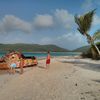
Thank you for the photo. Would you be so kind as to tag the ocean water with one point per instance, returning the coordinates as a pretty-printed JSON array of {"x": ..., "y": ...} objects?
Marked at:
[{"x": 45, "y": 54}]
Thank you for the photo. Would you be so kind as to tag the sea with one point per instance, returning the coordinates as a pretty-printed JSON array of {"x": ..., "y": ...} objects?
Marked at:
[{"x": 42, "y": 54}]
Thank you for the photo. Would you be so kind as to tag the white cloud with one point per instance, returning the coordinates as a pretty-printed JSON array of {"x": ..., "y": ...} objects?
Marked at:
[
  {"x": 46, "y": 40},
  {"x": 60, "y": 18},
  {"x": 96, "y": 20},
  {"x": 64, "y": 18},
  {"x": 87, "y": 5},
  {"x": 90, "y": 4},
  {"x": 72, "y": 40},
  {"x": 43, "y": 21},
  {"x": 69, "y": 40},
  {"x": 11, "y": 23}
]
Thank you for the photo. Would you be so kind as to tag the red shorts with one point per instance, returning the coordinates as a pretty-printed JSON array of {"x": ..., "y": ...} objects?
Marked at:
[{"x": 48, "y": 61}]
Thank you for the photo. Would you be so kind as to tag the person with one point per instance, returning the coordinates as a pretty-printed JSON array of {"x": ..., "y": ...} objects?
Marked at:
[
  {"x": 48, "y": 59},
  {"x": 13, "y": 65},
  {"x": 35, "y": 61},
  {"x": 21, "y": 65},
  {"x": 21, "y": 62}
]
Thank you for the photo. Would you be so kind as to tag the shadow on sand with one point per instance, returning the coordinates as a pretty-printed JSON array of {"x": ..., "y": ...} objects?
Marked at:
[
  {"x": 40, "y": 66},
  {"x": 84, "y": 64},
  {"x": 98, "y": 81}
]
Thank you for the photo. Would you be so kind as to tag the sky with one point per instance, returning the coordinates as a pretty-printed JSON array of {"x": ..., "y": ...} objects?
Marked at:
[{"x": 45, "y": 21}]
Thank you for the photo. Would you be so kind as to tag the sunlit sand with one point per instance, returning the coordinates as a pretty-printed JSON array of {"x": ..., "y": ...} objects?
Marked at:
[{"x": 63, "y": 80}]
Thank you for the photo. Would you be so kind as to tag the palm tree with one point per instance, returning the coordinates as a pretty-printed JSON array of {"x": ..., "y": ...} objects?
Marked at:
[
  {"x": 84, "y": 23},
  {"x": 95, "y": 37}
]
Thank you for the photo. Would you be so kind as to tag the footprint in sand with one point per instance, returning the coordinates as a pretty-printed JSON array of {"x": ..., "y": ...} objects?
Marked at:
[
  {"x": 89, "y": 84},
  {"x": 65, "y": 77},
  {"x": 82, "y": 98},
  {"x": 90, "y": 94}
]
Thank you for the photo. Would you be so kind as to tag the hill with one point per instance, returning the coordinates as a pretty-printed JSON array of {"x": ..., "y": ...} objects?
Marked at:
[
  {"x": 82, "y": 49},
  {"x": 86, "y": 48},
  {"x": 31, "y": 48}
]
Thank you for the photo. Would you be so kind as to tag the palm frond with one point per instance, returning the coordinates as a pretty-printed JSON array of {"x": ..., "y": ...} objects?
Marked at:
[
  {"x": 79, "y": 23},
  {"x": 84, "y": 22},
  {"x": 96, "y": 35}
]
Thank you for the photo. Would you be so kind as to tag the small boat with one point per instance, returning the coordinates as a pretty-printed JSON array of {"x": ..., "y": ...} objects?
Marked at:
[{"x": 19, "y": 59}]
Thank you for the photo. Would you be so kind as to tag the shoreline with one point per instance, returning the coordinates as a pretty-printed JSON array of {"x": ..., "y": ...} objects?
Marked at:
[{"x": 43, "y": 54}]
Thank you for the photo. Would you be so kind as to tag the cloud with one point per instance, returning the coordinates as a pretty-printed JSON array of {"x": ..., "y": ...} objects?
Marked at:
[
  {"x": 11, "y": 23},
  {"x": 46, "y": 40},
  {"x": 96, "y": 20},
  {"x": 90, "y": 4},
  {"x": 68, "y": 40},
  {"x": 64, "y": 18},
  {"x": 61, "y": 21},
  {"x": 72, "y": 40},
  {"x": 43, "y": 21},
  {"x": 87, "y": 5},
  {"x": 60, "y": 18}
]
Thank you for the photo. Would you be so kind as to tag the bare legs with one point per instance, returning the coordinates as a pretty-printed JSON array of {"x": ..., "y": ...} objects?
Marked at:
[
  {"x": 21, "y": 66},
  {"x": 47, "y": 66},
  {"x": 12, "y": 70},
  {"x": 21, "y": 70}
]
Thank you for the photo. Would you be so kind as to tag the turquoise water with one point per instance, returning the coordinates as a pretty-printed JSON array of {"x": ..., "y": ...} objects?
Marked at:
[{"x": 45, "y": 54}]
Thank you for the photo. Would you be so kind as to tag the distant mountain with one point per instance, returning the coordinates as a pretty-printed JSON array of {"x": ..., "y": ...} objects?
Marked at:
[
  {"x": 31, "y": 48},
  {"x": 82, "y": 49},
  {"x": 86, "y": 48}
]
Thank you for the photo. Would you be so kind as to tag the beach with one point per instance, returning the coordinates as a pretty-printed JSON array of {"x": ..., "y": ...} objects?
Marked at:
[{"x": 67, "y": 78}]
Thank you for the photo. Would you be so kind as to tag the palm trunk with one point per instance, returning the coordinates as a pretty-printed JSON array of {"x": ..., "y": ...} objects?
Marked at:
[
  {"x": 90, "y": 41},
  {"x": 97, "y": 49},
  {"x": 94, "y": 53}
]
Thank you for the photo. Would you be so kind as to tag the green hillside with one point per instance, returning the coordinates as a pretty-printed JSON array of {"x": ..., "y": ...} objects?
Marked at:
[
  {"x": 86, "y": 48},
  {"x": 82, "y": 49},
  {"x": 31, "y": 48}
]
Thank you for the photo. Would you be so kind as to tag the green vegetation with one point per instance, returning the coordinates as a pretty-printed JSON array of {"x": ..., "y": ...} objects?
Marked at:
[
  {"x": 31, "y": 48},
  {"x": 82, "y": 49},
  {"x": 84, "y": 24},
  {"x": 86, "y": 51}
]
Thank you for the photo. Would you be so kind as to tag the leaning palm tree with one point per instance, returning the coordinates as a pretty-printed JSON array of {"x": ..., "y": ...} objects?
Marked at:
[
  {"x": 94, "y": 48},
  {"x": 96, "y": 37},
  {"x": 84, "y": 23}
]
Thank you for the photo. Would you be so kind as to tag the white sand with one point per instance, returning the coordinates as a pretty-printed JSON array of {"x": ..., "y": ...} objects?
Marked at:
[{"x": 62, "y": 81}]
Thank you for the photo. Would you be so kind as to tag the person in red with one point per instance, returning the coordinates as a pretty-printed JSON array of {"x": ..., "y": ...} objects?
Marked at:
[{"x": 48, "y": 60}]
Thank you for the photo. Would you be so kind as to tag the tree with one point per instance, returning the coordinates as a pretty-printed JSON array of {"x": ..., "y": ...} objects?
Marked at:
[
  {"x": 95, "y": 37},
  {"x": 84, "y": 23}
]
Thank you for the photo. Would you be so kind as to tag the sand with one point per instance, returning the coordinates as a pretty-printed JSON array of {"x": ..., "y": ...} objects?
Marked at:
[{"x": 63, "y": 80}]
